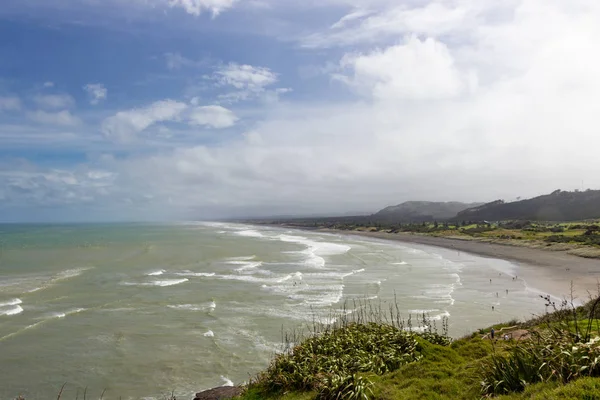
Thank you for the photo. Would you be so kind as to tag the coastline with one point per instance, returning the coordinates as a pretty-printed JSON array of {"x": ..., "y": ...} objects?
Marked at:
[{"x": 549, "y": 271}]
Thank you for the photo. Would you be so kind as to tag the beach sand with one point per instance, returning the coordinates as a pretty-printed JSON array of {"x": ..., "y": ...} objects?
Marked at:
[{"x": 549, "y": 271}]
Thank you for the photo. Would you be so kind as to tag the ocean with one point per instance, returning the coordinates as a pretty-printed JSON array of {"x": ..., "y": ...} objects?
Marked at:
[{"x": 143, "y": 311}]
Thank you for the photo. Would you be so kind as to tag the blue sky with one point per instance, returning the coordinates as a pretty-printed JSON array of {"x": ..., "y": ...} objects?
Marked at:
[{"x": 185, "y": 109}]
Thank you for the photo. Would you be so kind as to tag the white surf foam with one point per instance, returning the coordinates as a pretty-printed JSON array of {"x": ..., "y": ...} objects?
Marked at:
[
  {"x": 250, "y": 233},
  {"x": 242, "y": 258},
  {"x": 315, "y": 250},
  {"x": 66, "y": 313},
  {"x": 210, "y": 306},
  {"x": 227, "y": 381},
  {"x": 195, "y": 274},
  {"x": 166, "y": 282},
  {"x": 12, "y": 311},
  {"x": 169, "y": 282},
  {"x": 423, "y": 311},
  {"x": 13, "y": 302},
  {"x": 210, "y": 333},
  {"x": 400, "y": 263},
  {"x": 156, "y": 273},
  {"x": 245, "y": 265}
]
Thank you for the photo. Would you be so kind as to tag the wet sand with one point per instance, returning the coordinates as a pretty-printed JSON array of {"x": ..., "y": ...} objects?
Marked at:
[{"x": 550, "y": 271}]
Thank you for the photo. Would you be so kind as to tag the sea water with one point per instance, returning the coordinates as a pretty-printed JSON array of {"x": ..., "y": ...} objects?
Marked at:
[{"x": 146, "y": 310}]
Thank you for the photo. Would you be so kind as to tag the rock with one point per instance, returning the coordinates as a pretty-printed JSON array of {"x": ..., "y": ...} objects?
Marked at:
[{"x": 220, "y": 393}]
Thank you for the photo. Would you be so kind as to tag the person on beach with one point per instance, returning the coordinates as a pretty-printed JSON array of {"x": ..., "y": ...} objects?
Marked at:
[
  {"x": 492, "y": 331},
  {"x": 492, "y": 308}
]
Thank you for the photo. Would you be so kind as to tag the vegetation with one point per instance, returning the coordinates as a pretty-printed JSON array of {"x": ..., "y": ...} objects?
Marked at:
[
  {"x": 417, "y": 211},
  {"x": 556, "y": 356},
  {"x": 556, "y": 206},
  {"x": 567, "y": 221}
]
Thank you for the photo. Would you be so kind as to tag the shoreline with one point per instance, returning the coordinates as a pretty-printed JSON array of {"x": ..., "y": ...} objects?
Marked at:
[{"x": 550, "y": 271}]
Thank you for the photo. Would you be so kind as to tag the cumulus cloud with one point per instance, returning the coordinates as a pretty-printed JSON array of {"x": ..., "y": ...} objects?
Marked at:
[
  {"x": 54, "y": 101},
  {"x": 96, "y": 92},
  {"x": 457, "y": 104},
  {"x": 212, "y": 116},
  {"x": 10, "y": 103},
  {"x": 124, "y": 125},
  {"x": 196, "y": 7},
  {"x": 431, "y": 18},
  {"x": 64, "y": 118},
  {"x": 416, "y": 69},
  {"x": 249, "y": 81}
]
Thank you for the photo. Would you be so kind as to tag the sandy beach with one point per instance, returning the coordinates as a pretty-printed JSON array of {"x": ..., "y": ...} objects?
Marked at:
[{"x": 550, "y": 271}]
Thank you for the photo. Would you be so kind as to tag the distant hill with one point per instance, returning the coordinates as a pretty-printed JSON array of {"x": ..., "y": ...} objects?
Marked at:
[
  {"x": 557, "y": 206},
  {"x": 417, "y": 211}
]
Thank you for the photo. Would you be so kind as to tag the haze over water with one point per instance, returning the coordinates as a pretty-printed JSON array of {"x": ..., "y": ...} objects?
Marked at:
[{"x": 142, "y": 310}]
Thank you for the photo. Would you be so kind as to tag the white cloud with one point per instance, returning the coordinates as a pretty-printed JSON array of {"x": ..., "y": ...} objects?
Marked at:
[
  {"x": 212, "y": 116},
  {"x": 249, "y": 81},
  {"x": 48, "y": 84},
  {"x": 354, "y": 15},
  {"x": 196, "y": 7},
  {"x": 415, "y": 69},
  {"x": 124, "y": 125},
  {"x": 96, "y": 92},
  {"x": 11, "y": 103},
  {"x": 64, "y": 118},
  {"x": 176, "y": 61},
  {"x": 462, "y": 105},
  {"x": 54, "y": 101},
  {"x": 393, "y": 20}
]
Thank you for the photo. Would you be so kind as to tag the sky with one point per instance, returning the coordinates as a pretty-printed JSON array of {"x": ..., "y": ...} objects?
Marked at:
[{"x": 127, "y": 110}]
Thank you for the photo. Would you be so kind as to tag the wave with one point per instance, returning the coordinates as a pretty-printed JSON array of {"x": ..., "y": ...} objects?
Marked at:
[
  {"x": 400, "y": 263},
  {"x": 169, "y": 282},
  {"x": 242, "y": 258},
  {"x": 210, "y": 306},
  {"x": 156, "y": 273},
  {"x": 195, "y": 274},
  {"x": 209, "y": 333},
  {"x": 12, "y": 311},
  {"x": 423, "y": 311},
  {"x": 227, "y": 381},
  {"x": 66, "y": 313},
  {"x": 245, "y": 265},
  {"x": 325, "y": 296},
  {"x": 315, "y": 249},
  {"x": 13, "y": 302},
  {"x": 166, "y": 282},
  {"x": 250, "y": 233}
]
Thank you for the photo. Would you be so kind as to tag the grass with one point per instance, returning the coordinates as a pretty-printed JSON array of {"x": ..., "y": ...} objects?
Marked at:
[{"x": 560, "y": 361}]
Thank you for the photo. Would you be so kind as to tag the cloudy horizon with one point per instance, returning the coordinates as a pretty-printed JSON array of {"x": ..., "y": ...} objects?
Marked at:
[{"x": 205, "y": 109}]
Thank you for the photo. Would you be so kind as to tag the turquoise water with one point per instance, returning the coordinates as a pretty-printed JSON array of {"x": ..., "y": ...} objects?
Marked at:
[{"x": 143, "y": 310}]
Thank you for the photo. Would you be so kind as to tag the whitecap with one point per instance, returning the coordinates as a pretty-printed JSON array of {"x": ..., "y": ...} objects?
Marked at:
[
  {"x": 423, "y": 311},
  {"x": 13, "y": 302},
  {"x": 12, "y": 311},
  {"x": 210, "y": 333},
  {"x": 169, "y": 282},
  {"x": 250, "y": 233},
  {"x": 156, "y": 273},
  {"x": 227, "y": 381},
  {"x": 242, "y": 258},
  {"x": 66, "y": 313},
  {"x": 246, "y": 265},
  {"x": 400, "y": 263},
  {"x": 195, "y": 274}
]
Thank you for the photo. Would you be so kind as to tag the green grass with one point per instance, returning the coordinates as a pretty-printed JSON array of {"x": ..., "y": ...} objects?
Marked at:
[{"x": 555, "y": 364}]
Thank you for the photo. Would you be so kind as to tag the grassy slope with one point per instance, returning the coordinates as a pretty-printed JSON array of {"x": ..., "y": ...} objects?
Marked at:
[{"x": 452, "y": 372}]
